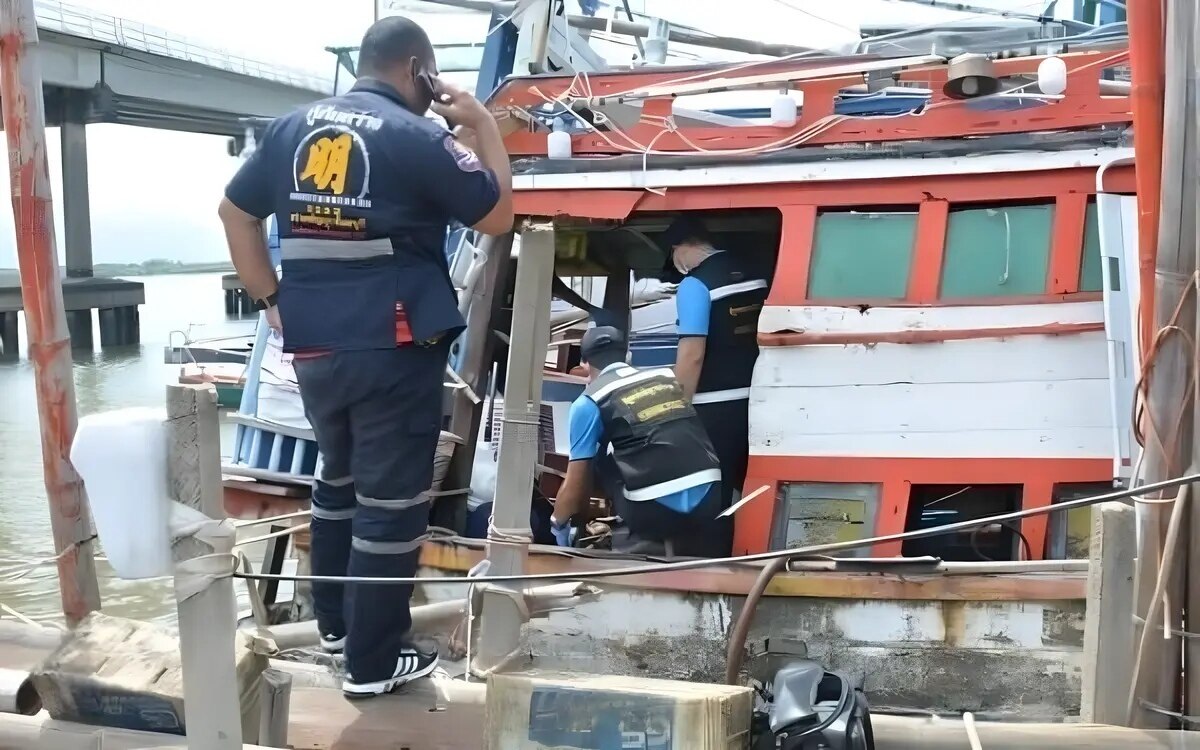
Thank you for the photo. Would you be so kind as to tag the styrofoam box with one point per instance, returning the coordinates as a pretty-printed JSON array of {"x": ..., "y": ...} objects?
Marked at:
[{"x": 543, "y": 710}]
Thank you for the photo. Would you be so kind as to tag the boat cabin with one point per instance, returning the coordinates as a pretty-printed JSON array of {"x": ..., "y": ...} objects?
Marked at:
[{"x": 948, "y": 331}]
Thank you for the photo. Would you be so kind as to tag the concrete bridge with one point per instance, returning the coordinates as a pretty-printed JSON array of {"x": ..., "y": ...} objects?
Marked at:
[{"x": 98, "y": 68}]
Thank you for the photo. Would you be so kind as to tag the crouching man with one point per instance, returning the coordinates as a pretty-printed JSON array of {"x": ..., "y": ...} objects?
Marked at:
[{"x": 661, "y": 461}]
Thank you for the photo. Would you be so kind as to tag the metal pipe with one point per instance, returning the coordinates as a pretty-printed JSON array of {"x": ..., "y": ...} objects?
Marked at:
[
  {"x": 17, "y": 694},
  {"x": 45, "y": 316},
  {"x": 641, "y": 30}
]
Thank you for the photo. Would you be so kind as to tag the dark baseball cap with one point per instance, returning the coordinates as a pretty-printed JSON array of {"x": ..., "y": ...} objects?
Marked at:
[
  {"x": 602, "y": 339},
  {"x": 681, "y": 230}
]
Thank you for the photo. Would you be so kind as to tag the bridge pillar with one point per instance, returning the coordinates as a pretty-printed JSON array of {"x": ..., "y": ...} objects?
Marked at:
[{"x": 77, "y": 219}]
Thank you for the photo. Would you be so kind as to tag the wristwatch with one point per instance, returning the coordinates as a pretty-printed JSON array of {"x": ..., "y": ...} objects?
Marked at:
[{"x": 270, "y": 300}]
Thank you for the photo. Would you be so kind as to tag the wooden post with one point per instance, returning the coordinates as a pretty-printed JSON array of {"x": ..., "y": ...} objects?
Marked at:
[
  {"x": 1168, "y": 450},
  {"x": 45, "y": 316},
  {"x": 519, "y": 438},
  {"x": 1108, "y": 626},
  {"x": 276, "y": 708},
  {"x": 207, "y": 608},
  {"x": 450, "y": 511}
]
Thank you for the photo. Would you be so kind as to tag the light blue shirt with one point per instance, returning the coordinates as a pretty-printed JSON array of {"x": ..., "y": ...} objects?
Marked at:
[
  {"x": 587, "y": 432},
  {"x": 692, "y": 305}
]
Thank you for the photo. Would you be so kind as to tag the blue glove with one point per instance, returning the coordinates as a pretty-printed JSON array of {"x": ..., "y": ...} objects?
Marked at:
[{"x": 564, "y": 533}]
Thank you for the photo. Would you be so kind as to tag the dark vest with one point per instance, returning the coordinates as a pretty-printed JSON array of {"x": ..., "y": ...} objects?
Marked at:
[
  {"x": 657, "y": 439},
  {"x": 355, "y": 234},
  {"x": 731, "y": 349}
]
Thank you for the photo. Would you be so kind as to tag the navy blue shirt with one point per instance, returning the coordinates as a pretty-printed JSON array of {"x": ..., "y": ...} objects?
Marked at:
[{"x": 364, "y": 190}]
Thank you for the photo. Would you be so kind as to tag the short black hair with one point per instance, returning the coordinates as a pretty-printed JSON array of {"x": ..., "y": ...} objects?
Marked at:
[
  {"x": 390, "y": 42},
  {"x": 602, "y": 346}
]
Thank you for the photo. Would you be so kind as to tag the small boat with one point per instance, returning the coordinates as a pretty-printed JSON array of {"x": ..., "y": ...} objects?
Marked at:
[{"x": 228, "y": 378}]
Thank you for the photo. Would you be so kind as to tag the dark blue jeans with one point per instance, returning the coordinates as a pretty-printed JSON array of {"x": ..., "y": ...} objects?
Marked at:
[{"x": 377, "y": 416}]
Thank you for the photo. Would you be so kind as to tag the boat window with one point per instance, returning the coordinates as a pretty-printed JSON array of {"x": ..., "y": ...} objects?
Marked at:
[
  {"x": 997, "y": 252},
  {"x": 817, "y": 513},
  {"x": 1068, "y": 535},
  {"x": 862, "y": 255},
  {"x": 1091, "y": 278},
  {"x": 932, "y": 505}
]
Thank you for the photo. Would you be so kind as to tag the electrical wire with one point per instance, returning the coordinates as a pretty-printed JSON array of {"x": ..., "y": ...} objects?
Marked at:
[{"x": 757, "y": 557}]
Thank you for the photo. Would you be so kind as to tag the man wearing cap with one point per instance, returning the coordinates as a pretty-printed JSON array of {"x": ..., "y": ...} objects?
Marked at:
[
  {"x": 667, "y": 477},
  {"x": 717, "y": 308}
]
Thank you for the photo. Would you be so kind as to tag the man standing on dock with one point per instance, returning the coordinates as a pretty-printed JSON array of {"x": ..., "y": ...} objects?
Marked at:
[
  {"x": 364, "y": 186},
  {"x": 717, "y": 308}
]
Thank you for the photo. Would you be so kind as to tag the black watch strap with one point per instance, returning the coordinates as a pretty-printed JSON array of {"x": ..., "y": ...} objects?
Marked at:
[{"x": 270, "y": 300}]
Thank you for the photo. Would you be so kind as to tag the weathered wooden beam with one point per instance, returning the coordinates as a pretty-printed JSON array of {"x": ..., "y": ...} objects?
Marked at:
[
  {"x": 276, "y": 699},
  {"x": 519, "y": 437},
  {"x": 207, "y": 607},
  {"x": 1108, "y": 624}
]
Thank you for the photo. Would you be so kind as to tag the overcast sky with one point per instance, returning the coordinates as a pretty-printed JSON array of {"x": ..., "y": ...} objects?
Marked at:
[{"x": 178, "y": 178}]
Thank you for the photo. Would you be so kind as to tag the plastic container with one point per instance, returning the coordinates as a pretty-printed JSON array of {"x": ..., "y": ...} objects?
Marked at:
[
  {"x": 783, "y": 111},
  {"x": 122, "y": 458},
  {"x": 558, "y": 143}
]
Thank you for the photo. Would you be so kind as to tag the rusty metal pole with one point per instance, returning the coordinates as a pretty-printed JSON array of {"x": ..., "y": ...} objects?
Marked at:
[{"x": 45, "y": 317}]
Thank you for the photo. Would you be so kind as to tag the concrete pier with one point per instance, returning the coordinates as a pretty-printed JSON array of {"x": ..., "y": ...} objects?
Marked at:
[
  {"x": 237, "y": 301},
  {"x": 116, "y": 300}
]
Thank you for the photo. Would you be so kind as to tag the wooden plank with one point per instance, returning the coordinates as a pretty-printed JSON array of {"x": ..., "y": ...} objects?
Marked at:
[
  {"x": 1108, "y": 627},
  {"x": 1022, "y": 358},
  {"x": 519, "y": 444},
  {"x": 1076, "y": 443},
  {"x": 736, "y": 581},
  {"x": 815, "y": 319},
  {"x": 207, "y": 609},
  {"x": 275, "y": 704}
]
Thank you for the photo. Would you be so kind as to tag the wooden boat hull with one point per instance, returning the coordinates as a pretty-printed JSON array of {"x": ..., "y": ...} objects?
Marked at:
[{"x": 1003, "y": 645}]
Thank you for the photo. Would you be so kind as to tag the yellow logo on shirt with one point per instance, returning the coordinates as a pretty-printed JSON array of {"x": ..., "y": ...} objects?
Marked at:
[{"x": 328, "y": 162}]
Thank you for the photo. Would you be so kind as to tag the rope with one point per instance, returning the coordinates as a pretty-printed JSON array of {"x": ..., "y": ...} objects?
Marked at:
[{"x": 758, "y": 557}]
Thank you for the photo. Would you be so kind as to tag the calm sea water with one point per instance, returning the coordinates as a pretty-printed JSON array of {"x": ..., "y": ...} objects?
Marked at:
[{"x": 104, "y": 380}]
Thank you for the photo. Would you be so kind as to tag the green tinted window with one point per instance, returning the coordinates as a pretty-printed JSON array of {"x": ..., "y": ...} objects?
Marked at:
[
  {"x": 1090, "y": 277},
  {"x": 862, "y": 255},
  {"x": 995, "y": 252}
]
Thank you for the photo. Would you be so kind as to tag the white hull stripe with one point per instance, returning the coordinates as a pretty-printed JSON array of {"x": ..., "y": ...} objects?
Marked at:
[
  {"x": 403, "y": 503},
  {"x": 387, "y": 548},
  {"x": 332, "y": 514},
  {"x": 309, "y": 249},
  {"x": 822, "y": 171},
  {"x": 662, "y": 489},
  {"x": 729, "y": 290},
  {"x": 714, "y": 397},
  {"x": 339, "y": 482},
  {"x": 637, "y": 377}
]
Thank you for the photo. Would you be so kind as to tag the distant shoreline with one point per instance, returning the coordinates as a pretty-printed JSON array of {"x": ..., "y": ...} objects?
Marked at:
[{"x": 158, "y": 268}]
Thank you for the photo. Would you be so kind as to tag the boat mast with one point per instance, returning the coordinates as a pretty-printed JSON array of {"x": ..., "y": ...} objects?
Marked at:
[{"x": 45, "y": 317}]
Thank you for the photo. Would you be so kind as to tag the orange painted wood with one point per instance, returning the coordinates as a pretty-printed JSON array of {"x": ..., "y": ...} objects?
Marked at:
[
  {"x": 896, "y": 476},
  {"x": 1037, "y": 494},
  {"x": 925, "y": 277},
  {"x": 790, "y": 285},
  {"x": 1066, "y": 246}
]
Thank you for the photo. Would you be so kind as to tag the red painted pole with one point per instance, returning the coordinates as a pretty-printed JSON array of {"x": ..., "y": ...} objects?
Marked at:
[
  {"x": 1148, "y": 73},
  {"x": 45, "y": 317}
]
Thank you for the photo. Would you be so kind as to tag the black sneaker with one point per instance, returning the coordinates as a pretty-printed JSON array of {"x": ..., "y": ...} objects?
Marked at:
[
  {"x": 333, "y": 644},
  {"x": 413, "y": 664}
]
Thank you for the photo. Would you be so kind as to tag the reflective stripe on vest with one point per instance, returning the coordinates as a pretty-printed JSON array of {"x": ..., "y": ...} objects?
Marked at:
[
  {"x": 304, "y": 248},
  {"x": 729, "y": 290},
  {"x": 713, "y": 397},
  {"x": 670, "y": 487}
]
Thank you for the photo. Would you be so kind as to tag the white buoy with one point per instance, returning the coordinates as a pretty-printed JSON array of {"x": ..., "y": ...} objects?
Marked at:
[
  {"x": 783, "y": 111},
  {"x": 558, "y": 143},
  {"x": 1052, "y": 76}
]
